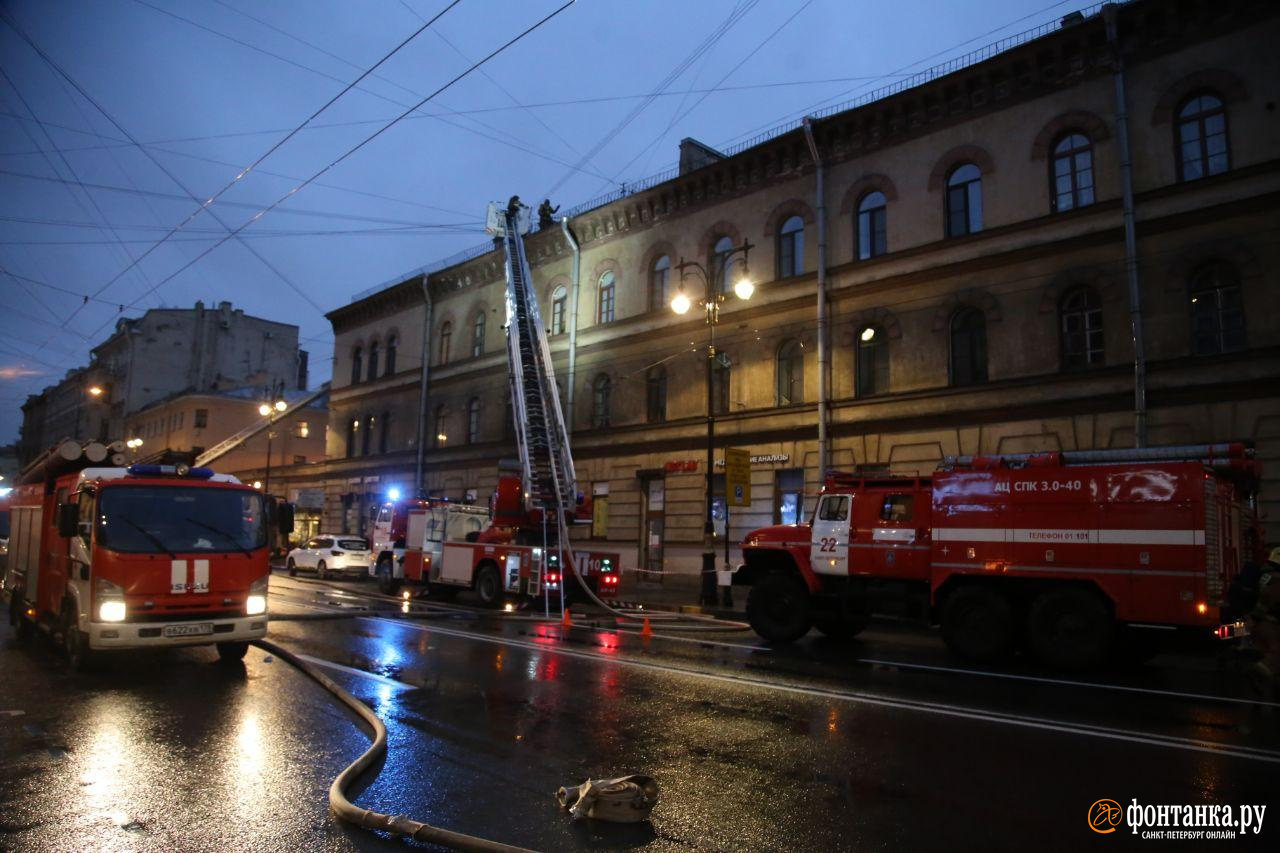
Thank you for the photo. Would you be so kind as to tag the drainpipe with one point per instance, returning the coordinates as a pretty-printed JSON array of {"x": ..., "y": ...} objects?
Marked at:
[
  {"x": 422, "y": 388},
  {"x": 573, "y": 322},
  {"x": 824, "y": 368},
  {"x": 1130, "y": 237}
]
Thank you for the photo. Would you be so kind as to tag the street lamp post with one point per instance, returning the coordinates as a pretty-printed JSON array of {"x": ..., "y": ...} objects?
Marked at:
[
  {"x": 680, "y": 303},
  {"x": 270, "y": 411}
]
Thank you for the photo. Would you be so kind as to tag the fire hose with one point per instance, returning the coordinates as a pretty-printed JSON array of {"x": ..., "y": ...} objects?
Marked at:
[{"x": 396, "y": 825}]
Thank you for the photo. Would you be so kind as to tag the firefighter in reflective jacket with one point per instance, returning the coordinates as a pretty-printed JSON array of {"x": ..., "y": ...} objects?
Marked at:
[{"x": 1264, "y": 624}]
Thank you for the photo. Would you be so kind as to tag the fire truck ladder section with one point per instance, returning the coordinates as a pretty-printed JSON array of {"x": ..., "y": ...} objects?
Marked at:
[
  {"x": 222, "y": 448},
  {"x": 547, "y": 466}
]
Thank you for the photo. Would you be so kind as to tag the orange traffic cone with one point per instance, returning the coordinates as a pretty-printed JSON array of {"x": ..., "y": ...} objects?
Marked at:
[
  {"x": 565, "y": 621},
  {"x": 647, "y": 630}
]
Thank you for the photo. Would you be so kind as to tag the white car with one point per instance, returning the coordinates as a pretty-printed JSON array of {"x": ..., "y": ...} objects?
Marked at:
[{"x": 330, "y": 554}]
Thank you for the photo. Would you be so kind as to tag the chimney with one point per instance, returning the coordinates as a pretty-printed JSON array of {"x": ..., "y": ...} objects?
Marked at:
[{"x": 694, "y": 155}]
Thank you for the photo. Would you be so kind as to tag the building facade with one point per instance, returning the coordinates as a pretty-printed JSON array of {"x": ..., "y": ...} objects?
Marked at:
[
  {"x": 978, "y": 292},
  {"x": 164, "y": 352}
]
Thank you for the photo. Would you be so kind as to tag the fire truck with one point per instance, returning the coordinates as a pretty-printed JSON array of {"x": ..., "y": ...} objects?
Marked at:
[
  {"x": 424, "y": 522},
  {"x": 143, "y": 556},
  {"x": 1053, "y": 552}
]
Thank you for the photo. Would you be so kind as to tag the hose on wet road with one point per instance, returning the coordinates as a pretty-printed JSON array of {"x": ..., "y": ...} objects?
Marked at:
[{"x": 396, "y": 825}]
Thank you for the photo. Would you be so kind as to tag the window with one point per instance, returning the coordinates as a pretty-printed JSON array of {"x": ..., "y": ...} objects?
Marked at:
[
  {"x": 722, "y": 264},
  {"x": 473, "y": 421},
  {"x": 898, "y": 508},
  {"x": 1072, "y": 179},
  {"x": 968, "y": 347},
  {"x": 834, "y": 508},
  {"x": 446, "y": 337},
  {"x": 788, "y": 496},
  {"x": 606, "y": 289},
  {"x": 357, "y": 363},
  {"x": 353, "y": 427},
  {"x": 1217, "y": 311},
  {"x": 441, "y": 434},
  {"x": 873, "y": 361},
  {"x": 656, "y": 394},
  {"x": 559, "y": 299},
  {"x": 1202, "y": 137},
  {"x": 659, "y": 281},
  {"x": 720, "y": 375},
  {"x": 384, "y": 423},
  {"x": 791, "y": 247},
  {"x": 509, "y": 422},
  {"x": 964, "y": 200},
  {"x": 477, "y": 335},
  {"x": 790, "y": 374},
  {"x": 372, "y": 373},
  {"x": 302, "y": 429},
  {"x": 602, "y": 392},
  {"x": 202, "y": 418},
  {"x": 367, "y": 436},
  {"x": 871, "y": 238},
  {"x": 393, "y": 343},
  {"x": 1081, "y": 329},
  {"x": 299, "y": 460}
]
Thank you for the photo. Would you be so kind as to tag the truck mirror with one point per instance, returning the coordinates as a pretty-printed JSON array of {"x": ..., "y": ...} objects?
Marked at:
[
  {"x": 284, "y": 517},
  {"x": 68, "y": 520}
]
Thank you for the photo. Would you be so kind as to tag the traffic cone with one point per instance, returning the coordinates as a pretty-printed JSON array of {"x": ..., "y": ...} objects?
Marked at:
[
  {"x": 647, "y": 630},
  {"x": 565, "y": 621}
]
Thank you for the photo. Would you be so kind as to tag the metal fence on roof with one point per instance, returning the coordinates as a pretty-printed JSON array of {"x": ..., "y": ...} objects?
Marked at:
[{"x": 628, "y": 188}]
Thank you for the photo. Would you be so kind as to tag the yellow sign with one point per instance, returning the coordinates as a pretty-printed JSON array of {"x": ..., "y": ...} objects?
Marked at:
[{"x": 737, "y": 476}]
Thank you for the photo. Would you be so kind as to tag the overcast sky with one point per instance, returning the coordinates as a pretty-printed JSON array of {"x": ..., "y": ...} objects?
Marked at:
[{"x": 206, "y": 87}]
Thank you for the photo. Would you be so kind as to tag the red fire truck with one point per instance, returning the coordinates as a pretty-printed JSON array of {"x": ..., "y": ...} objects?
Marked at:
[
  {"x": 1053, "y": 551},
  {"x": 138, "y": 557}
]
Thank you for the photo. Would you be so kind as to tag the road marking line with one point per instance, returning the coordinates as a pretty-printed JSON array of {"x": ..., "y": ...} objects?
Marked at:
[
  {"x": 351, "y": 670},
  {"x": 937, "y": 708},
  {"x": 1097, "y": 686}
]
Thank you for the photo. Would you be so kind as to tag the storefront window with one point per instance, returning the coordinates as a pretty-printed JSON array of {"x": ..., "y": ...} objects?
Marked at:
[{"x": 788, "y": 497}]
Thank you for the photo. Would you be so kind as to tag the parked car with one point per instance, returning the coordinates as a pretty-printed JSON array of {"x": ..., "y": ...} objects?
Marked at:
[{"x": 330, "y": 554}]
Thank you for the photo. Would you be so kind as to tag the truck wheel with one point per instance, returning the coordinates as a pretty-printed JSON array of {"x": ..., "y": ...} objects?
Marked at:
[
  {"x": 322, "y": 571},
  {"x": 232, "y": 652},
  {"x": 978, "y": 624},
  {"x": 1070, "y": 628},
  {"x": 778, "y": 608},
  {"x": 839, "y": 626},
  {"x": 388, "y": 584},
  {"x": 293, "y": 568},
  {"x": 75, "y": 642},
  {"x": 488, "y": 585},
  {"x": 22, "y": 626}
]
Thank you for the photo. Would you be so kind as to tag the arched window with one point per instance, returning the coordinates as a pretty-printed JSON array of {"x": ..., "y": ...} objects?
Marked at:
[
  {"x": 1081, "y": 324},
  {"x": 393, "y": 343},
  {"x": 873, "y": 361},
  {"x": 659, "y": 280},
  {"x": 791, "y": 247},
  {"x": 656, "y": 394},
  {"x": 509, "y": 421},
  {"x": 1202, "y": 137},
  {"x": 473, "y": 421},
  {"x": 721, "y": 373},
  {"x": 559, "y": 301},
  {"x": 446, "y": 337},
  {"x": 373, "y": 361},
  {"x": 367, "y": 435},
  {"x": 968, "y": 347},
  {"x": 606, "y": 289},
  {"x": 790, "y": 373},
  {"x": 1071, "y": 183},
  {"x": 601, "y": 400},
  {"x": 353, "y": 427},
  {"x": 722, "y": 264},
  {"x": 384, "y": 431},
  {"x": 964, "y": 200},
  {"x": 441, "y": 424},
  {"x": 1217, "y": 310},
  {"x": 477, "y": 335},
  {"x": 872, "y": 240},
  {"x": 357, "y": 359}
]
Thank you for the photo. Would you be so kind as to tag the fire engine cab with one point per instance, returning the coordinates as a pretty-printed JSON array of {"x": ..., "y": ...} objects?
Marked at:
[{"x": 1055, "y": 551}]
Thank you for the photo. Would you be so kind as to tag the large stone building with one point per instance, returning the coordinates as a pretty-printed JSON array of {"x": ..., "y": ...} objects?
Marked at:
[
  {"x": 979, "y": 297},
  {"x": 164, "y": 352}
]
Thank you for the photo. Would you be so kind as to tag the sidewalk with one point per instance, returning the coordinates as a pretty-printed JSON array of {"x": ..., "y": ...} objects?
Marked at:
[{"x": 680, "y": 594}]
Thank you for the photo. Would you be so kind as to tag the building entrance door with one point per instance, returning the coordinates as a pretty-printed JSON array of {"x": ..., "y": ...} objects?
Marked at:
[{"x": 652, "y": 520}]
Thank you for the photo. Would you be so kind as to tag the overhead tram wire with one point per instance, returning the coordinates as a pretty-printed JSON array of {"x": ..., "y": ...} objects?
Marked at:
[{"x": 357, "y": 147}]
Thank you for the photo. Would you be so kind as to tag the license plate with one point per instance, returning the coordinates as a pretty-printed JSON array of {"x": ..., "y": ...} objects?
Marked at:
[{"x": 188, "y": 630}]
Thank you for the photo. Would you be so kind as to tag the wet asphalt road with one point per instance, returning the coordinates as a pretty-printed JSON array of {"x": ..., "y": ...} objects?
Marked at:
[{"x": 881, "y": 743}]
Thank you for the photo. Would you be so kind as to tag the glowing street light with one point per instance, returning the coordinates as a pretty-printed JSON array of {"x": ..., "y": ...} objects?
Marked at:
[{"x": 95, "y": 390}]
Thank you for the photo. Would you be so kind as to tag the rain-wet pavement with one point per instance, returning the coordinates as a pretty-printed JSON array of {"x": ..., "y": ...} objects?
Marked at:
[{"x": 884, "y": 742}]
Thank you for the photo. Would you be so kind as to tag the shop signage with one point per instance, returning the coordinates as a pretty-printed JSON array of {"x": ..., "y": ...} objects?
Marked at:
[
  {"x": 765, "y": 459},
  {"x": 737, "y": 476},
  {"x": 677, "y": 466}
]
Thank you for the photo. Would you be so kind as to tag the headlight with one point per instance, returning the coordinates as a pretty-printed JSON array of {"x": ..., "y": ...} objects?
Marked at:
[
  {"x": 111, "y": 610},
  {"x": 255, "y": 605}
]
